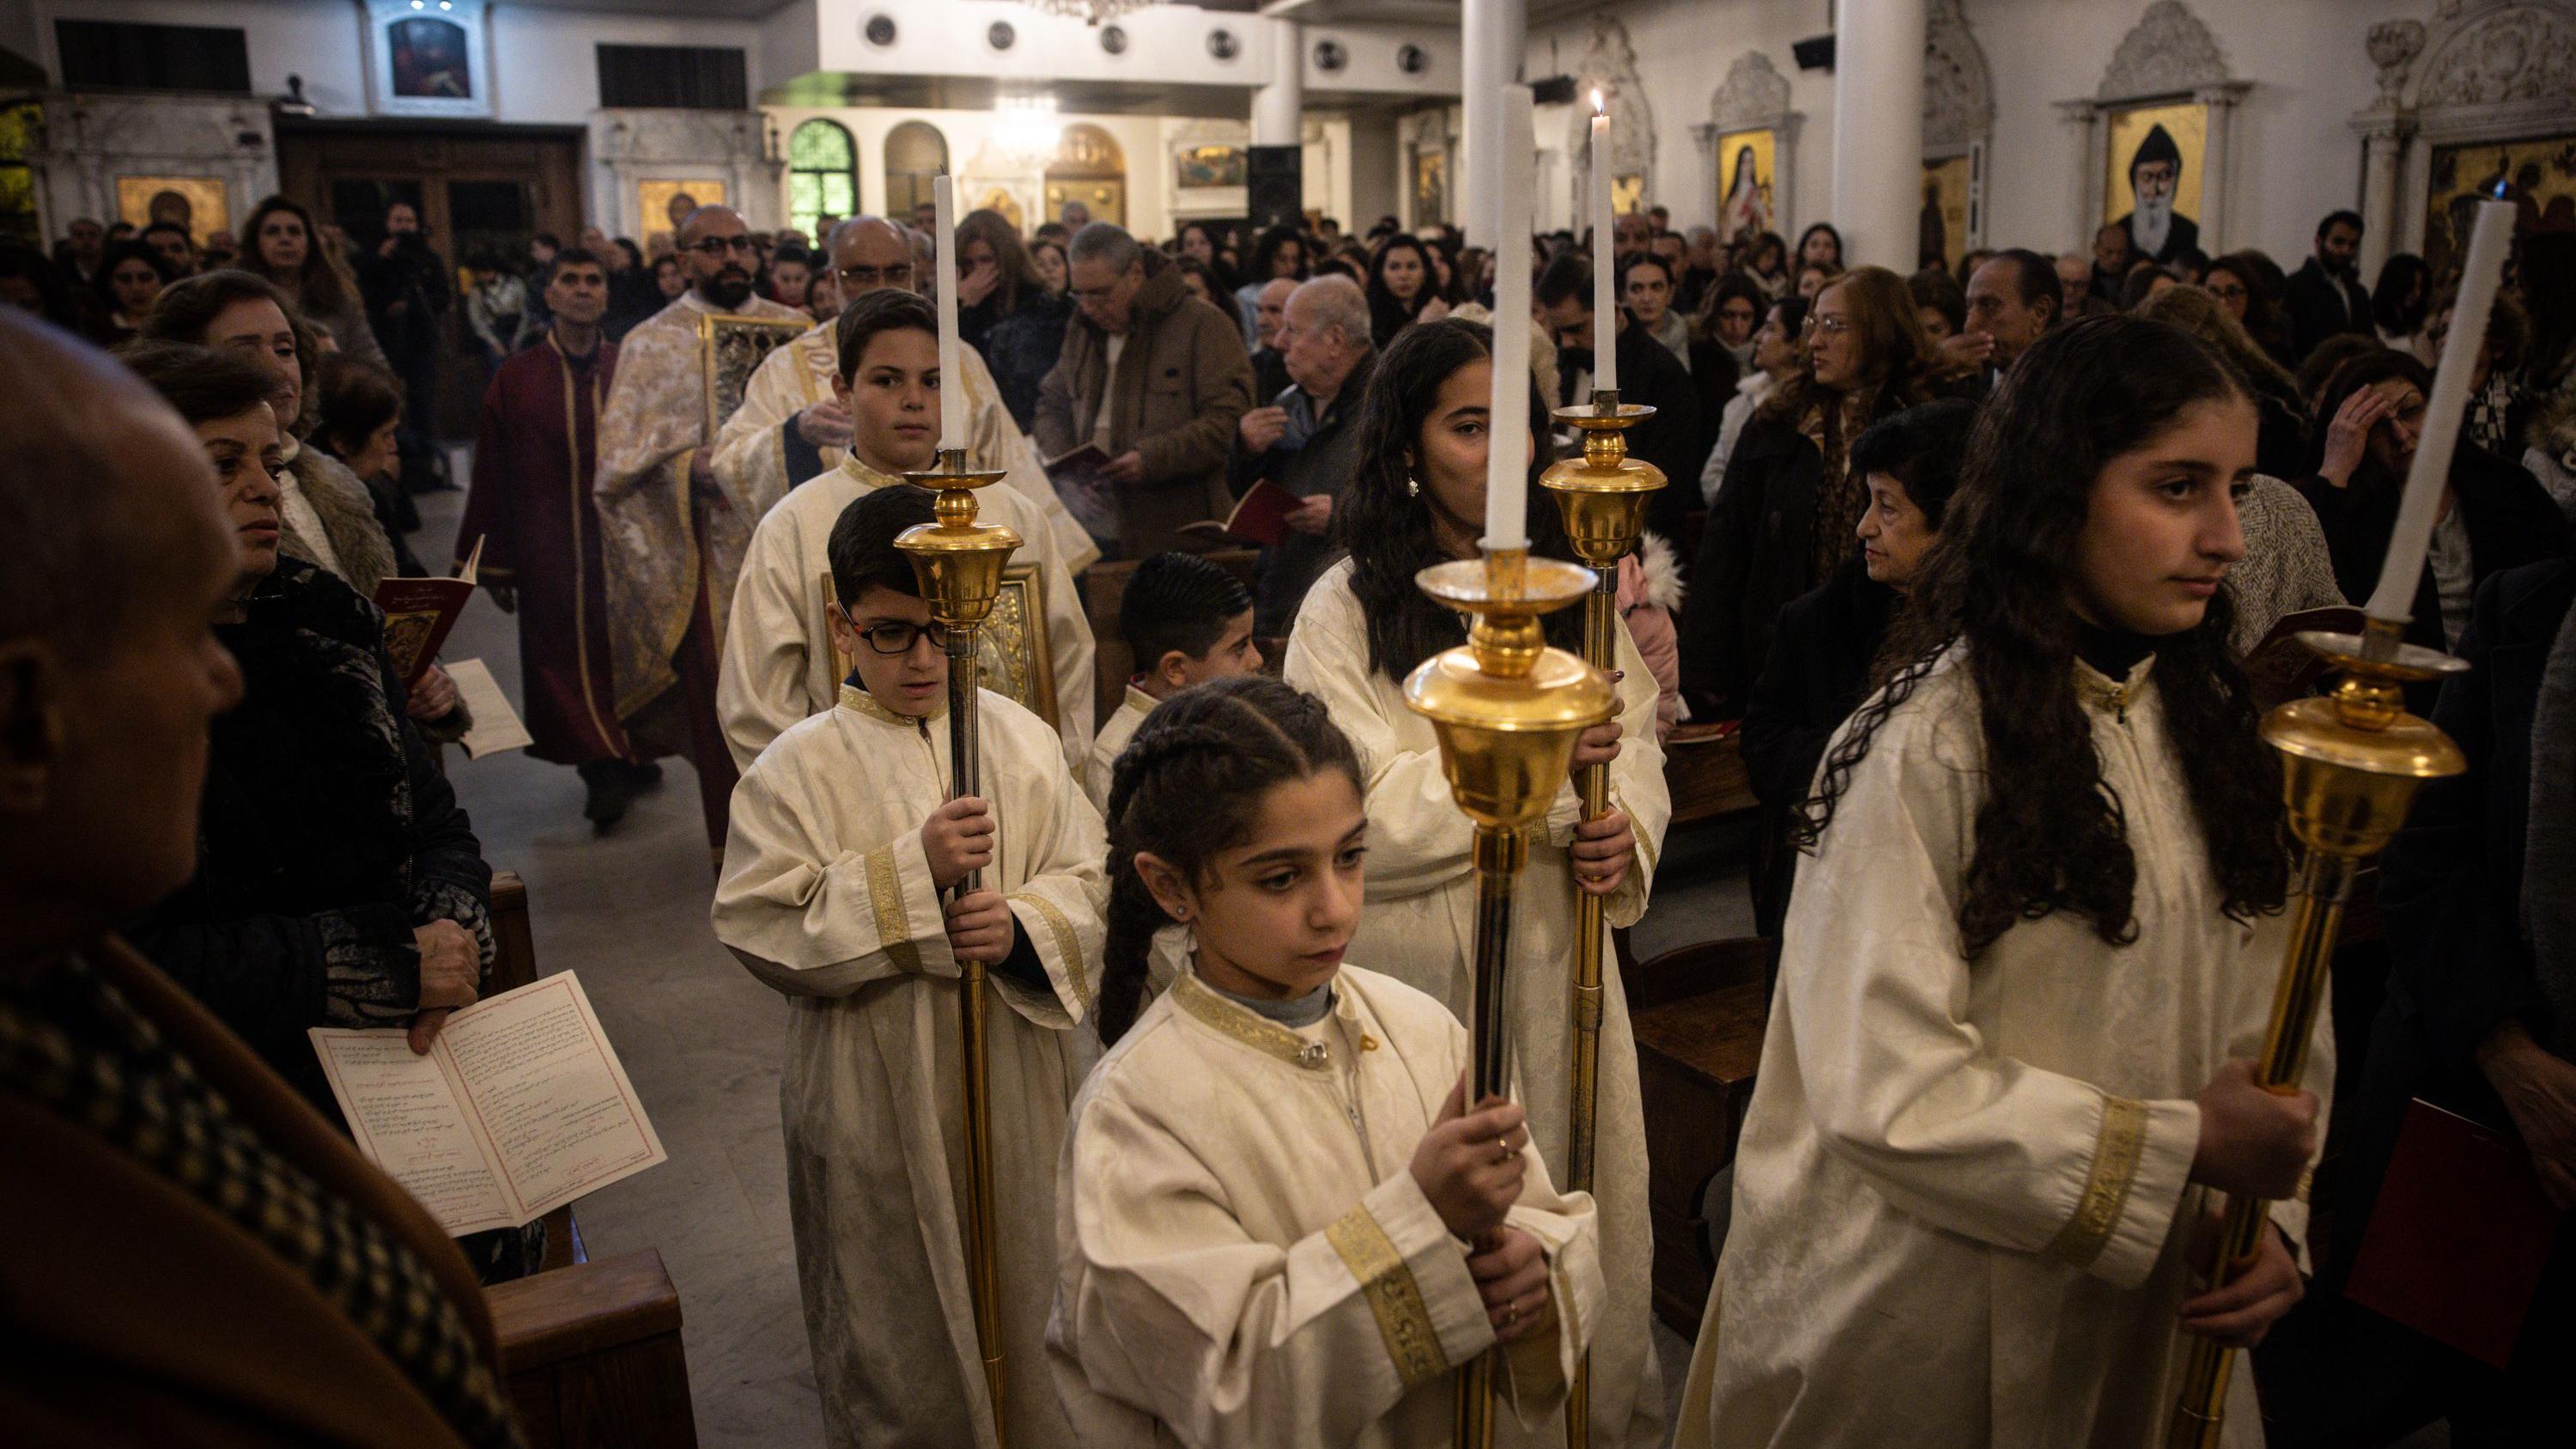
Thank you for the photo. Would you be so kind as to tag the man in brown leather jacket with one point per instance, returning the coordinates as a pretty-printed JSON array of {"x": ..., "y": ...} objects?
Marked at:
[{"x": 1157, "y": 379}]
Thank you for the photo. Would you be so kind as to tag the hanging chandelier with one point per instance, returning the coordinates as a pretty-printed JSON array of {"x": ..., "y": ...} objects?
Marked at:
[{"x": 1090, "y": 11}]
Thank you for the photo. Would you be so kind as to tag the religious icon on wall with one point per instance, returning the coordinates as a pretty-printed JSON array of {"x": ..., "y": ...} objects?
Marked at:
[
  {"x": 429, "y": 59},
  {"x": 1000, "y": 200},
  {"x": 2538, "y": 176},
  {"x": 1945, "y": 213},
  {"x": 198, "y": 203},
  {"x": 1202, "y": 168},
  {"x": 1430, "y": 186},
  {"x": 1627, "y": 195},
  {"x": 2158, "y": 158},
  {"x": 653, "y": 201},
  {"x": 1747, "y": 205}
]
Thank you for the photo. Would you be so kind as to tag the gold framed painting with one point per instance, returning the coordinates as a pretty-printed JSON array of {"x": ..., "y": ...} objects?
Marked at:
[
  {"x": 653, "y": 200},
  {"x": 201, "y": 203},
  {"x": 730, "y": 348},
  {"x": 1207, "y": 167},
  {"x": 2155, "y": 163},
  {"x": 2538, "y": 176},
  {"x": 1014, "y": 654},
  {"x": 1944, "y": 226},
  {"x": 1748, "y": 172}
]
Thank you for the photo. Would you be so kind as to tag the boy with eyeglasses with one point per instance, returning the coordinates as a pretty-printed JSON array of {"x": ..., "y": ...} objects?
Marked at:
[{"x": 845, "y": 887}]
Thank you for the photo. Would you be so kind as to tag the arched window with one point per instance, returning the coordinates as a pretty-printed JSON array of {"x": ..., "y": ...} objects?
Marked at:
[
  {"x": 915, "y": 152},
  {"x": 822, "y": 175}
]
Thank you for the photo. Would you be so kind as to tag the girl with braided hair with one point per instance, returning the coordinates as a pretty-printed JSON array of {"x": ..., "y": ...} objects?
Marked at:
[
  {"x": 1416, "y": 500},
  {"x": 1269, "y": 1179}
]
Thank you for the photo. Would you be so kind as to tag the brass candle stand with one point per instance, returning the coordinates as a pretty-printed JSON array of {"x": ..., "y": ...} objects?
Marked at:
[
  {"x": 959, "y": 563},
  {"x": 1507, "y": 710},
  {"x": 2351, "y": 763},
  {"x": 1602, "y": 498}
]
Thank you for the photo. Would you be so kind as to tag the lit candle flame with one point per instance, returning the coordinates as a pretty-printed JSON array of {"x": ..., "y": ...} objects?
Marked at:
[{"x": 1598, "y": 109}]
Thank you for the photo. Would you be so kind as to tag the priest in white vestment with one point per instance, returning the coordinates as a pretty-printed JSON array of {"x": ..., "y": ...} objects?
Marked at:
[
  {"x": 1419, "y": 926},
  {"x": 1962, "y": 1213},
  {"x": 1252, "y": 1263}
]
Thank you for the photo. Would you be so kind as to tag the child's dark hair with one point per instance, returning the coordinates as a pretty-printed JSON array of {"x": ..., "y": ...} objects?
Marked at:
[
  {"x": 1178, "y": 601},
  {"x": 887, "y": 309},
  {"x": 1187, "y": 786},
  {"x": 862, "y": 546}
]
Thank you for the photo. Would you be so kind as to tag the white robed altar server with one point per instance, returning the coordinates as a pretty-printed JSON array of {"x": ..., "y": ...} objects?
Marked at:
[
  {"x": 1228, "y": 1262},
  {"x": 777, "y": 665},
  {"x": 1419, "y": 926}
]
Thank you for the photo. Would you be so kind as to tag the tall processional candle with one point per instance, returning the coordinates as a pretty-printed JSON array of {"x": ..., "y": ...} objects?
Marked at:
[
  {"x": 2394, "y": 599},
  {"x": 1507, "y": 437},
  {"x": 952, "y": 376},
  {"x": 1605, "y": 281}
]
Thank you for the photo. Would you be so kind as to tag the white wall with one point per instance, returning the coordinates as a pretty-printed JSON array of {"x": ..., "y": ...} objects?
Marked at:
[
  {"x": 2293, "y": 159},
  {"x": 545, "y": 68},
  {"x": 320, "y": 40}
]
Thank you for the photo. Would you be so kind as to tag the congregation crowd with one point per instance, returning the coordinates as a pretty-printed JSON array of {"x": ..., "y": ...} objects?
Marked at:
[{"x": 2124, "y": 469}]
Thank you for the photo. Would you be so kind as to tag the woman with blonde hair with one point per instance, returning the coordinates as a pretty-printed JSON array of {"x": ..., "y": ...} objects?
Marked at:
[
  {"x": 1786, "y": 515},
  {"x": 280, "y": 245}
]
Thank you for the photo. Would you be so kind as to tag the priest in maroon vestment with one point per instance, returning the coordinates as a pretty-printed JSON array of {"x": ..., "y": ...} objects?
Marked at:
[{"x": 534, "y": 461}]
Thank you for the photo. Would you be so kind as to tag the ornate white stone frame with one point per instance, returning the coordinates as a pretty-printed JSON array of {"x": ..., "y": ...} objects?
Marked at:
[
  {"x": 2168, "y": 56},
  {"x": 1958, "y": 104},
  {"x": 739, "y": 148},
  {"x": 468, "y": 15},
  {"x": 1610, "y": 64},
  {"x": 1754, "y": 97}
]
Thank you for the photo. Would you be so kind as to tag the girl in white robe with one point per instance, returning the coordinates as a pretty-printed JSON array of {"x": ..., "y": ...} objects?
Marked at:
[
  {"x": 843, "y": 840},
  {"x": 1272, "y": 1182},
  {"x": 1416, "y": 500},
  {"x": 2021, "y": 976}
]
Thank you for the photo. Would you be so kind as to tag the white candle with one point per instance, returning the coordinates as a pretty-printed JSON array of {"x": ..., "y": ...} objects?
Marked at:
[
  {"x": 952, "y": 374},
  {"x": 2394, "y": 599},
  {"x": 1605, "y": 280},
  {"x": 1507, "y": 440}
]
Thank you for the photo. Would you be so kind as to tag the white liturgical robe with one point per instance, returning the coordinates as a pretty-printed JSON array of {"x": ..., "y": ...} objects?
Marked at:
[
  {"x": 1112, "y": 739},
  {"x": 1961, "y": 1212},
  {"x": 797, "y": 376},
  {"x": 1247, "y": 1259},
  {"x": 1419, "y": 926},
  {"x": 827, "y": 896},
  {"x": 778, "y": 666}
]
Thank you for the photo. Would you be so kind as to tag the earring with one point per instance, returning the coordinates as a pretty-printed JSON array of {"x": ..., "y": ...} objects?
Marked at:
[{"x": 1412, "y": 486}]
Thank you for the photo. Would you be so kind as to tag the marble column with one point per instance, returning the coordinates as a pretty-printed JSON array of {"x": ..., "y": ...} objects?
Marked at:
[
  {"x": 1496, "y": 34},
  {"x": 1278, "y": 107},
  {"x": 2383, "y": 141},
  {"x": 1878, "y": 131}
]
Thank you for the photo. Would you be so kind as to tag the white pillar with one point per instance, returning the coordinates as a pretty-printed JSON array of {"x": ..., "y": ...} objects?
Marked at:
[
  {"x": 2382, "y": 140},
  {"x": 1278, "y": 108},
  {"x": 1878, "y": 131},
  {"x": 1496, "y": 36}
]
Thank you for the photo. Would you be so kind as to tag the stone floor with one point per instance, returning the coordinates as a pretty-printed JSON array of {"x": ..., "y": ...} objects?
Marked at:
[{"x": 702, "y": 1041}]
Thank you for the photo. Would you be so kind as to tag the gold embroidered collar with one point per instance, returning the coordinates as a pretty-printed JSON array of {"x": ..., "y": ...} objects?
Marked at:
[
  {"x": 2098, "y": 691},
  {"x": 1262, "y": 1035},
  {"x": 859, "y": 701}
]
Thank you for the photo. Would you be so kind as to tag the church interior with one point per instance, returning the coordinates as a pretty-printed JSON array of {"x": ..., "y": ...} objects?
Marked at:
[{"x": 603, "y": 359}]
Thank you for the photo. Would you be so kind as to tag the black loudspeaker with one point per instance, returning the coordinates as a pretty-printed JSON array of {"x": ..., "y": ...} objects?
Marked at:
[
  {"x": 1275, "y": 184},
  {"x": 1814, "y": 53}
]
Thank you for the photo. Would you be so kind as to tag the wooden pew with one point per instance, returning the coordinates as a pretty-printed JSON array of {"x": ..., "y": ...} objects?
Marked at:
[
  {"x": 1704, "y": 770},
  {"x": 1104, "y": 585},
  {"x": 1698, "y": 1013},
  {"x": 593, "y": 1358}
]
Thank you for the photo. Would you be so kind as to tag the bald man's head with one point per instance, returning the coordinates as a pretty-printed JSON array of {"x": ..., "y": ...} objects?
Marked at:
[
  {"x": 120, "y": 555},
  {"x": 869, "y": 252}
]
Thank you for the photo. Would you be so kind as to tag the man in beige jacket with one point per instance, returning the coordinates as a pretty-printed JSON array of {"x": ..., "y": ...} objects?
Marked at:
[{"x": 1157, "y": 379}]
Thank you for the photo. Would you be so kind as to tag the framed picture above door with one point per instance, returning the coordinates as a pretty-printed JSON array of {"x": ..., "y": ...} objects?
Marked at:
[{"x": 427, "y": 58}]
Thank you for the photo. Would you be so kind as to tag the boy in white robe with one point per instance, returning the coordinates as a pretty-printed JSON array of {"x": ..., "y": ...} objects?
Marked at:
[
  {"x": 778, "y": 665},
  {"x": 844, "y": 840},
  {"x": 1272, "y": 1182},
  {"x": 1186, "y": 621}
]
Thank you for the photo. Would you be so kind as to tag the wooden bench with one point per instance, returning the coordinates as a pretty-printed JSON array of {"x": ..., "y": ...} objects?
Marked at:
[
  {"x": 1104, "y": 587},
  {"x": 592, "y": 1354},
  {"x": 1698, "y": 1013},
  {"x": 1704, "y": 771}
]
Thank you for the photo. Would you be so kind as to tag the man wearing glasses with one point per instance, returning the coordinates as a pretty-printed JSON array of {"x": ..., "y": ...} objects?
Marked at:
[
  {"x": 790, "y": 428},
  {"x": 673, "y": 528}
]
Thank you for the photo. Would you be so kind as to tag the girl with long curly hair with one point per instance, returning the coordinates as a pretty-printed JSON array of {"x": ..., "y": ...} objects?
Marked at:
[
  {"x": 1280, "y": 1147},
  {"x": 1417, "y": 499},
  {"x": 2006, "y": 1068}
]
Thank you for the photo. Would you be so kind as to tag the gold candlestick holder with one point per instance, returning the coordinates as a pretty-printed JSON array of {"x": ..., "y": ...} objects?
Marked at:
[
  {"x": 2351, "y": 763},
  {"x": 1507, "y": 710},
  {"x": 959, "y": 562},
  {"x": 1602, "y": 498}
]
